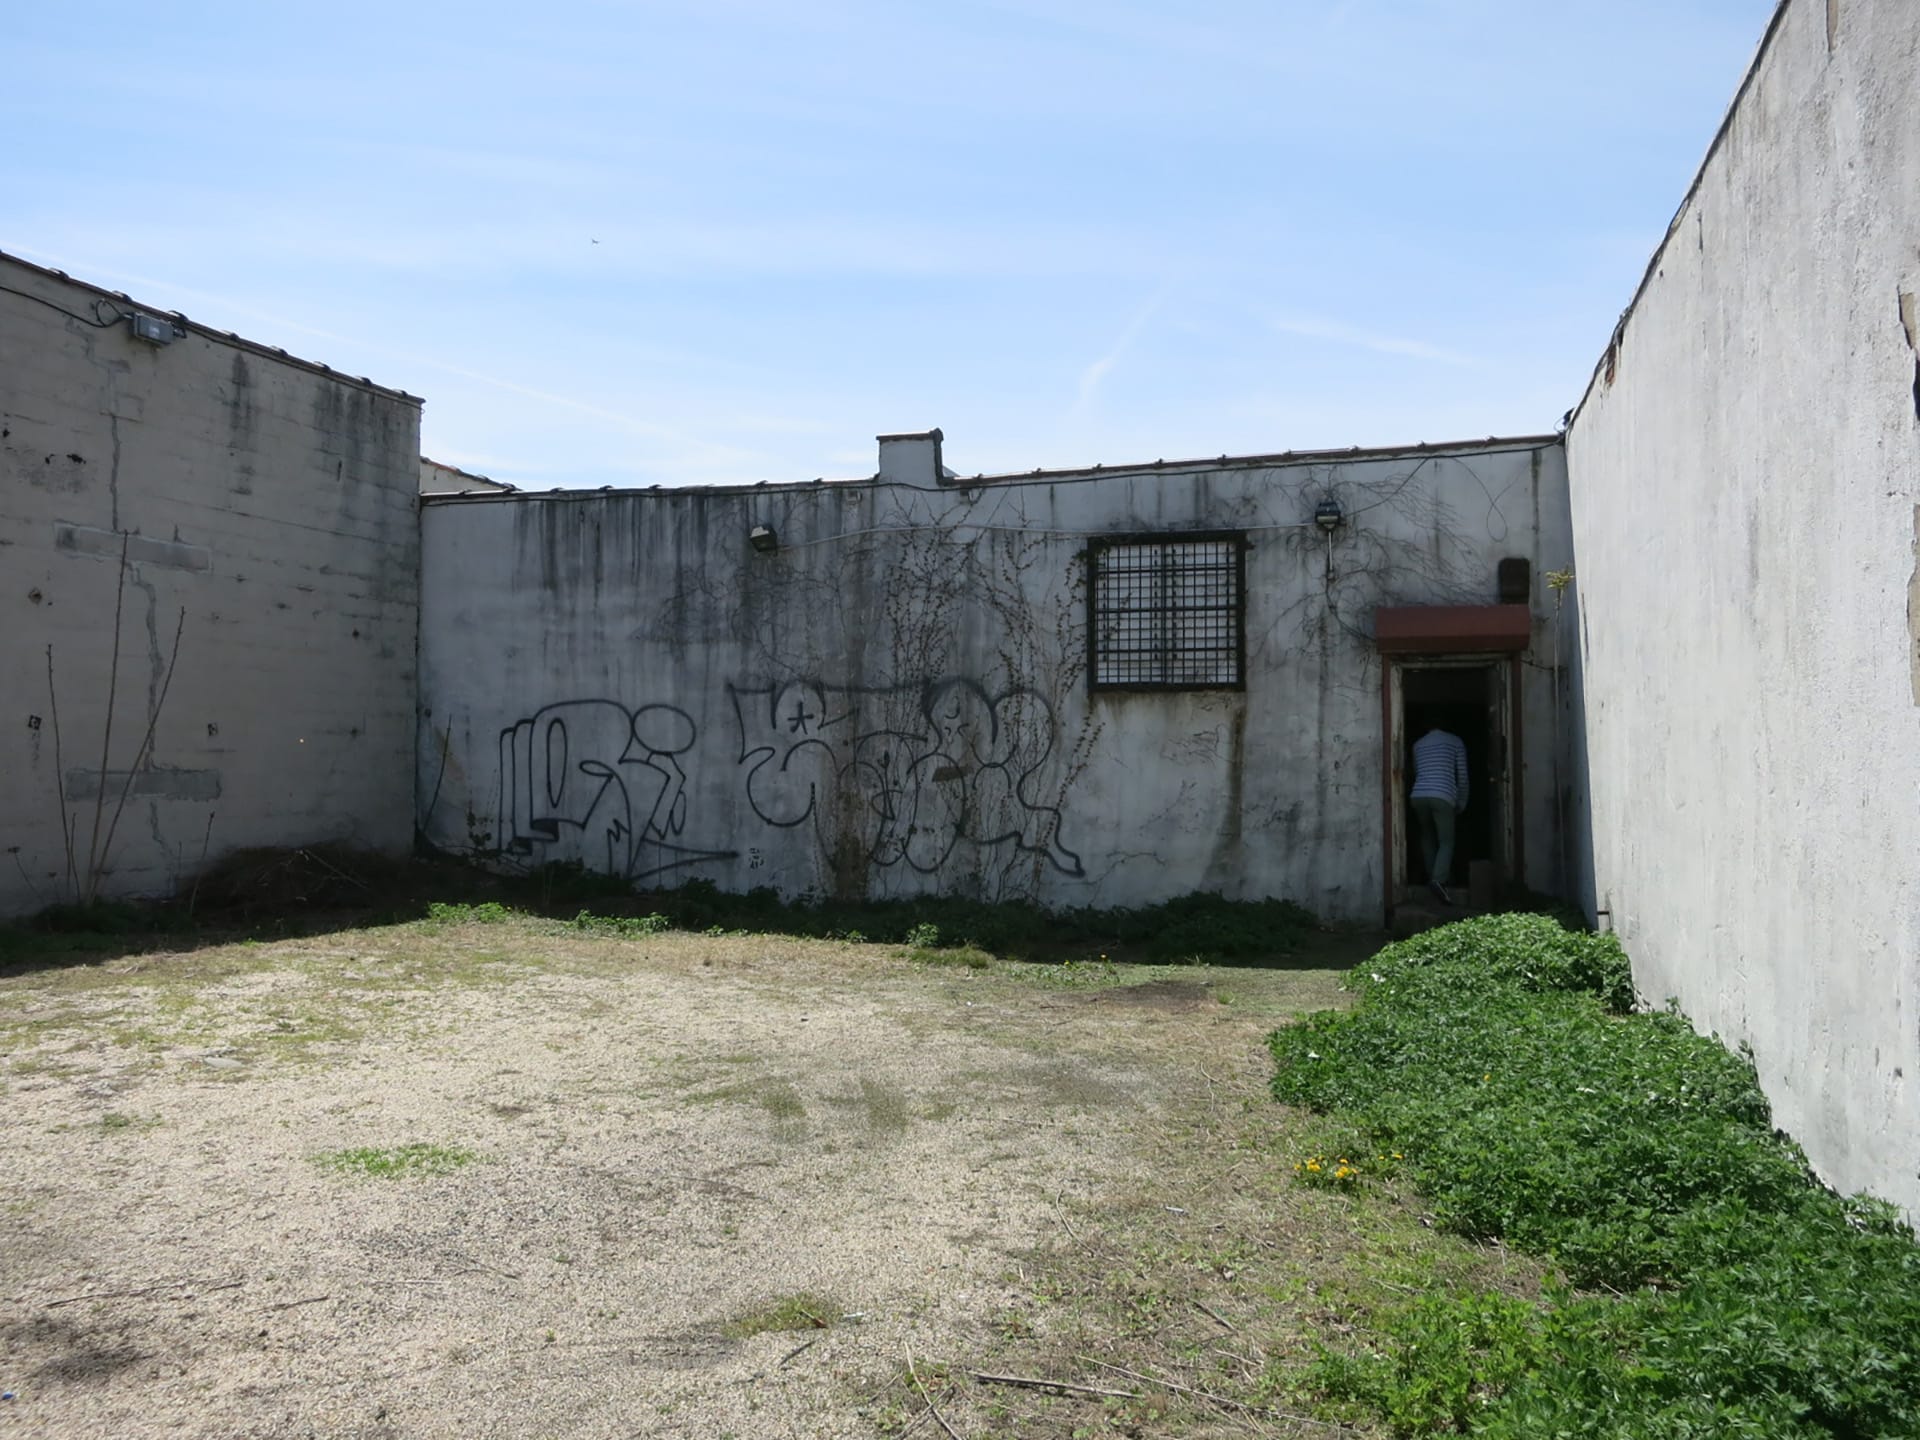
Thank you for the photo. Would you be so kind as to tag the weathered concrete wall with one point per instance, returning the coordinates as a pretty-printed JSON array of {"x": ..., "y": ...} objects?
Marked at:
[
  {"x": 271, "y": 502},
  {"x": 895, "y": 700},
  {"x": 1745, "y": 499}
]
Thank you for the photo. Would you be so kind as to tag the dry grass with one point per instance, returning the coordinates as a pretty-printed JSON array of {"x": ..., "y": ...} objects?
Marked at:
[{"x": 1007, "y": 1168}]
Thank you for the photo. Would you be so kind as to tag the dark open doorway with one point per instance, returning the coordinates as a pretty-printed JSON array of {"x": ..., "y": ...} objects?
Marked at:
[{"x": 1461, "y": 699}]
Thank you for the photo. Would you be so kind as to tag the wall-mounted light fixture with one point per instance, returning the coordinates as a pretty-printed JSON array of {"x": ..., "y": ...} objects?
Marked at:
[
  {"x": 762, "y": 538},
  {"x": 1328, "y": 515},
  {"x": 153, "y": 329}
]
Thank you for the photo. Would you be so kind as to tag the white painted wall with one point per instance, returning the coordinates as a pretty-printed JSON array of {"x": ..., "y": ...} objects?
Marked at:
[
  {"x": 274, "y": 503},
  {"x": 726, "y": 689},
  {"x": 1746, "y": 495}
]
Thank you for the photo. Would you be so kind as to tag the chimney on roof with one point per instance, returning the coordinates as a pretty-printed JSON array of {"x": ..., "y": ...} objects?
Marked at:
[{"x": 912, "y": 459}]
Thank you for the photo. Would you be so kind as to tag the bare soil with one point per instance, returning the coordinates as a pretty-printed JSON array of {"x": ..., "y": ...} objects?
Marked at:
[{"x": 649, "y": 1146}]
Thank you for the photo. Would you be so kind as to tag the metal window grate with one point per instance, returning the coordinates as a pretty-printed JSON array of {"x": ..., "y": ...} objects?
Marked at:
[{"x": 1168, "y": 613}]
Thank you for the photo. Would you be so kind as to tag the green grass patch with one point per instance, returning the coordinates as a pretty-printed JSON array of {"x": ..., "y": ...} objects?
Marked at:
[
  {"x": 115, "y": 1122},
  {"x": 622, "y": 927},
  {"x": 488, "y": 912},
  {"x": 965, "y": 957},
  {"x": 804, "y": 1311},
  {"x": 404, "y": 1162},
  {"x": 1201, "y": 928},
  {"x": 1711, "y": 1284}
]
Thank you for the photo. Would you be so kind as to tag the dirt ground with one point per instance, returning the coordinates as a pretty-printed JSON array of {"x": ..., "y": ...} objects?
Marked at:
[{"x": 637, "y": 1147}]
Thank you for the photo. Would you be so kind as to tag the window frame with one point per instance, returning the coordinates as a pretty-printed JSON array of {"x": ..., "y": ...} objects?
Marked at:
[{"x": 1237, "y": 545}]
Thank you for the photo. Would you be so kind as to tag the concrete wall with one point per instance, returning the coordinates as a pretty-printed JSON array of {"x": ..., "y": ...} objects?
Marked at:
[
  {"x": 1746, "y": 496},
  {"x": 895, "y": 700},
  {"x": 273, "y": 504}
]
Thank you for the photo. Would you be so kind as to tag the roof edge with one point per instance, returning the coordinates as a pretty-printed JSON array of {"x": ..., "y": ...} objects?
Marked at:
[
  {"x": 208, "y": 332},
  {"x": 1493, "y": 444},
  {"x": 1760, "y": 53}
]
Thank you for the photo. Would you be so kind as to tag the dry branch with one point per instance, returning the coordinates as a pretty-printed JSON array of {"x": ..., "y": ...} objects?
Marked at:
[
  {"x": 796, "y": 1352},
  {"x": 1032, "y": 1384},
  {"x": 1222, "y": 1400},
  {"x": 934, "y": 1409},
  {"x": 153, "y": 1289},
  {"x": 60, "y": 777},
  {"x": 1207, "y": 1309},
  {"x": 140, "y": 756},
  {"x": 106, "y": 736}
]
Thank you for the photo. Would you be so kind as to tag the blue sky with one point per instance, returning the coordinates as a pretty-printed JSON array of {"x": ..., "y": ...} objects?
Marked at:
[{"x": 720, "y": 241}]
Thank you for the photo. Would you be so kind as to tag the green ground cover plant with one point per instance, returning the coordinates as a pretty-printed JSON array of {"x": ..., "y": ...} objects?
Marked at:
[
  {"x": 399, "y": 1163},
  {"x": 1709, "y": 1285}
]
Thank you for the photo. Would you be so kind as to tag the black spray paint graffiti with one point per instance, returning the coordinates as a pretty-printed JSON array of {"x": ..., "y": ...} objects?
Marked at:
[
  {"x": 594, "y": 782},
  {"x": 916, "y": 768}
]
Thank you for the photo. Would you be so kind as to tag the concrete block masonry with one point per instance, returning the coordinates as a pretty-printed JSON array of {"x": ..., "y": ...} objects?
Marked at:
[
  {"x": 895, "y": 699},
  {"x": 270, "y": 502}
]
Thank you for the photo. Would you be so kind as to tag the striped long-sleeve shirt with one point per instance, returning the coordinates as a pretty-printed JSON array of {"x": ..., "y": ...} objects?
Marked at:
[{"x": 1440, "y": 767}]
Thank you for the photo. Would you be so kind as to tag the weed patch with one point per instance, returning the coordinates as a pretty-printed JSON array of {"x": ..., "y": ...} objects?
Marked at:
[
  {"x": 622, "y": 927},
  {"x": 1194, "y": 928},
  {"x": 489, "y": 912},
  {"x": 804, "y": 1311},
  {"x": 1494, "y": 1060},
  {"x": 404, "y": 1162}
]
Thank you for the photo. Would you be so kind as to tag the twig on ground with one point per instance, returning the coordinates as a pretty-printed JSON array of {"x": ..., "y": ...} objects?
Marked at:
[
  {"x": 818, "y": 1323},
  {"x": 137, "y": 1290},
  {"x": 796, "y": 1351},
  {"x": 1032, "y": 1384},
  {"x": 940, "y": 1419},
  {"x": 1207, "y": 1309},
  {"x": 1246, "y": 1360},
  {"x": 296, "y": 1304},
  {"x": 1222, "y": 1400},
  {"x": 1061, "y": 1211}
]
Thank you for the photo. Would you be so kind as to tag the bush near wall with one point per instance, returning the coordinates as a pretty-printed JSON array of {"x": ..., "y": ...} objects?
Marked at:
[{"x": 1710, "y": 1285}]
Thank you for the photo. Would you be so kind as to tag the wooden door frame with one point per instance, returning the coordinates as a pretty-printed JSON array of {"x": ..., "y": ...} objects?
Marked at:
[{"x": 1393, "y": 788}]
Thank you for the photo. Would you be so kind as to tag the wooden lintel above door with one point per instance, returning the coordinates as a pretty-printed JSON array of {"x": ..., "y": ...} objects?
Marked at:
[{"x": 1452, "y": 629}]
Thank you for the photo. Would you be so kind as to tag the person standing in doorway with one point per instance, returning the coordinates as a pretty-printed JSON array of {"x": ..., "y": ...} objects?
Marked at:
[{"x": 1439, "y": 796}]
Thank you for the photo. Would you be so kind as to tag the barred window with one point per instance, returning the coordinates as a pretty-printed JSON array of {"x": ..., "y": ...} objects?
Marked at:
[{"x": 1167, "y": 612}]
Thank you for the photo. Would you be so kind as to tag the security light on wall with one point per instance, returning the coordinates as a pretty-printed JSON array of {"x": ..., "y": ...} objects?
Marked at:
[
  {"x": 153, "y": 329},
  {"x": 762, "y": 538},
  {"x": 1328, "y": 515}
]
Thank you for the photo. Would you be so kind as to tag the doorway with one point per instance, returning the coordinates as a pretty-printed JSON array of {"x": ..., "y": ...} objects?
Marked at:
[{"x": 1471, "y": 696}]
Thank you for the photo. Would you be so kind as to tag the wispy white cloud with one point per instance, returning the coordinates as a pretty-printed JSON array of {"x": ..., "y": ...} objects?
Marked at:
[
  {"x": 1096, "y": 373},
  {"x": 1337, "y": 333}
]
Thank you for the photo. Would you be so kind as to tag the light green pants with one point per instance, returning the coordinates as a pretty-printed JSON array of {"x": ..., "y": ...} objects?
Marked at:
[{"x": 1434, "y": 815}]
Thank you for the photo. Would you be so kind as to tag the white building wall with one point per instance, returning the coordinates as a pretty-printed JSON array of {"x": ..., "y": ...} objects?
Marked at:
[
  {"x": 1746, "y": 493},
  {"x": 895, "y": 700},
  {"x": 271, "y": 502}
]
